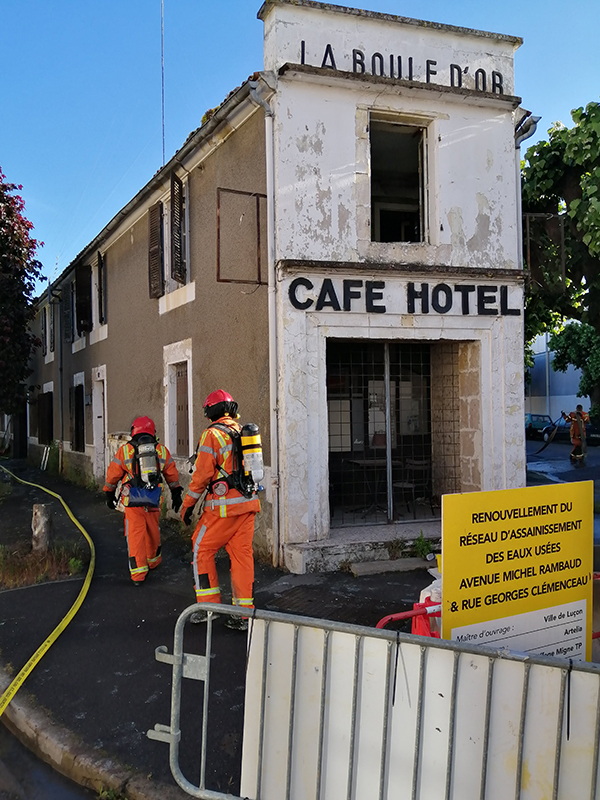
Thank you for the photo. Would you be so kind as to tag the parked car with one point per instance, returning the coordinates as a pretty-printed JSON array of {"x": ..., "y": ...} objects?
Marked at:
[
  {"x": 563, "y": 434},
  {"x": 535, "y": 424}
]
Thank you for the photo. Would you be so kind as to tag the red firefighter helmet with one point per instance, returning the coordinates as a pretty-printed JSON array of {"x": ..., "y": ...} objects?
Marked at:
[
  {"x": 220, "y": 396},
  {"x": 218, "y": 404},
  {"x": 143, "y": 425}
]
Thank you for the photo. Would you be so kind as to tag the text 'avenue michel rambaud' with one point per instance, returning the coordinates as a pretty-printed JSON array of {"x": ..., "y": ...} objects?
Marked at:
[{"x": 519, "y": 524}]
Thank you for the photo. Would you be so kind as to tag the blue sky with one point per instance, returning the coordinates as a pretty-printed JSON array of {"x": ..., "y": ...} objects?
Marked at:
[{"x": 80, "y": 88}]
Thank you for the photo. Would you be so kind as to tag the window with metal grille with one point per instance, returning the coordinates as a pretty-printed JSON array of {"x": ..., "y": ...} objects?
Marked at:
[
  {"x": 379, "y": 417},
  {"x": 398, "y": 175}
]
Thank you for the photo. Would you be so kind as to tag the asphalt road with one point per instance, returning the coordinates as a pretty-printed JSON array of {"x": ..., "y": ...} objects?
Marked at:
[{"x": 25, "y": 777}]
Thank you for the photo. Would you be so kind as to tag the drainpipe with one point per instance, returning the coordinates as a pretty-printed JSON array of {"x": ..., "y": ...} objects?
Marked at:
[
  {"x": 524, "y": 128},
  {"x": 272, "y": 318}
]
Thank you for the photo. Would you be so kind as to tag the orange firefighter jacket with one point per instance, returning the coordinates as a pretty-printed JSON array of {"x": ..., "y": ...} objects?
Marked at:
[
  {"x": 214, "y": 460},
  {"x": 122, "y": 466},
  {"x": 575, "y": 433}
]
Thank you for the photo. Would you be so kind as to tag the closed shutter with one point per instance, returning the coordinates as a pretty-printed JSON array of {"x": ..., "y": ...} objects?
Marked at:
[
  {"x": 101, "y": 288},
  {"x": 67, "y": 307},
  {"x": 44, "y": 331},
  {"x": 177, "y": 259},
  {"x": 45, "y": 418},
  {"x": 156, "y": 277},
  {"x": 83, "y": 298},
  {"x": 183, "y": 435},
  {"x": 77, "y": 411},
  {"x": 51, "y": 321}
]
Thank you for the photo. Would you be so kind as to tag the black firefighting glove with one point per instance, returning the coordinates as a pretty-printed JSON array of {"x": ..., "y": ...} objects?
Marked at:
[
  {"x": 176, "y": 499},
  {"x": 187, "y": 516},
  {"x": 111, "y": 500}
]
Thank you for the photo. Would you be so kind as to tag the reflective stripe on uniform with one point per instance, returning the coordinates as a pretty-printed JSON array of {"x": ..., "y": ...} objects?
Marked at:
[
  {"x": 138, "y": 570},
  {"x": 201, "y": 533},
  {"x": 195, "y": 495},
  {"x": 247, "y": 602},
  {"x": 211, "y": 590},
  {"x": 204, "y": 449}
]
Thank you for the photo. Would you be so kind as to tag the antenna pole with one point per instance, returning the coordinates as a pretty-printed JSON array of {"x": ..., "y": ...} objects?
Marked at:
[{"x": 162, "y": 68}]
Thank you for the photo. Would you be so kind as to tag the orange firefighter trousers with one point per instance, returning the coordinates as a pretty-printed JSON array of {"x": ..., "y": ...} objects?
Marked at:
[
  {"x": 143, "y": 541},
  {"x": 235, "y": 533}
]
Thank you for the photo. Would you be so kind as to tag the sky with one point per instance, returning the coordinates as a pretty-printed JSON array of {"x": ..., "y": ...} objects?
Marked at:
[{"x": 80, "y": 89}]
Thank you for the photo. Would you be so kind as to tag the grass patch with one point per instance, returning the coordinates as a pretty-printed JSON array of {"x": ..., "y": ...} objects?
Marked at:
[
  {"x": 421, "y": 546},
  {"x": 19, "y": 566}
]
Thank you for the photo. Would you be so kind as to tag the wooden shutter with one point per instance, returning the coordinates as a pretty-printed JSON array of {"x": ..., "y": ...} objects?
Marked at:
[
  {"x": 177, "y": 259},
  {"x": 156, "y": 277},
  {"x": 77, "y": 409},
  {"x": 44, "y": 331},
  {"x": 51, "y": 325},
  {"x": 183, "y": 435},
  {"x": 101, "y": 288},
  {"x": 45, "y": 418},
  {"x": 67, "y": 307},
  {"x": 72, "y": 416},
  {"x": 83, "y": 298}
]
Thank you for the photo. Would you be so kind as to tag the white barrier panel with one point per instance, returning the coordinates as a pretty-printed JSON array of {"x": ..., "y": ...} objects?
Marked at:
[{"x": 358, "y": 715}]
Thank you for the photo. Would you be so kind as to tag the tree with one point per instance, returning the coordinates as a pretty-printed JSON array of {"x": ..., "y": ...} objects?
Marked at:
[
  {"x": 561, "y": 186},
  {"x": 19, "y": 270},
  {"x": 579, "y": 345}
]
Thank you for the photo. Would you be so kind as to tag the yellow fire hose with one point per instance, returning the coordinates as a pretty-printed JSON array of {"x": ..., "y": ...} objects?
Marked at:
[{"x": 45, "y": 646}]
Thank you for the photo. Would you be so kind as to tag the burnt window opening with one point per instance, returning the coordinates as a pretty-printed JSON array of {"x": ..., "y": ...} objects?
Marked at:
[{"x": 397, "y": 182}]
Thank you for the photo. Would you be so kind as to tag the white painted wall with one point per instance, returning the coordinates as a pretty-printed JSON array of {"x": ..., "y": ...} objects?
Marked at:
[
  {"x": 322, "y": 211},
  {"x": 302, "y": 386}
]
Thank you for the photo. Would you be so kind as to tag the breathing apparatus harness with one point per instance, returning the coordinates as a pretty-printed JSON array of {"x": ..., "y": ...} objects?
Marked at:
[
  {"x": 247, "y": 458},
  {"x": 145, "y": 489}
]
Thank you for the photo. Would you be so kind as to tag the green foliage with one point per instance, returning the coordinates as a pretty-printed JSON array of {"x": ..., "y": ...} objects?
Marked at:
[
  {"x": 579, "y": 344},
  {"x": 562, "y": 177},
  {"x": 421, "y": 546},
  {"x": 561, "y": 184},
  {"x": 19, "y": 270}
]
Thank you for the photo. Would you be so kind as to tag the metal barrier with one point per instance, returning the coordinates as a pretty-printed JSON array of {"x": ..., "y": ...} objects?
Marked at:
[{"x": 342, "y": 712}]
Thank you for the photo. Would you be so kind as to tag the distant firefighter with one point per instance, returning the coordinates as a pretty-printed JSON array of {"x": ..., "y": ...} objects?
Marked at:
[
  {"x": 140, "y": 464},
  {"x": 578, "y": 419}
]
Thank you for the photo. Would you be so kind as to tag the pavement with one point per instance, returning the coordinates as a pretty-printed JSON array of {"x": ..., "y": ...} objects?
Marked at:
[{"x": 87, "y": 705}]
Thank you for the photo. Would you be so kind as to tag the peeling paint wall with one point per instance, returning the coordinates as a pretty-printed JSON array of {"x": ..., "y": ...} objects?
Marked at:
[{"x": 322, "y": 113}]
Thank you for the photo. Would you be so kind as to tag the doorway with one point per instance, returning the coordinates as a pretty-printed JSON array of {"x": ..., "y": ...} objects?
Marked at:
[
  {"x": 99, "y": 421},
  {"x": 379, "y": 423}
]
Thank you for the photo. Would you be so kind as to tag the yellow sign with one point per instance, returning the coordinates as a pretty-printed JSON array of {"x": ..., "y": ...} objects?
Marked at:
[{"x": 517, "y": 569}]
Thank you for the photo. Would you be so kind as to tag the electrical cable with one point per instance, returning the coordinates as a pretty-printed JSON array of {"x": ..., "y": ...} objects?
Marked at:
[{"x": 18, "y": 681}]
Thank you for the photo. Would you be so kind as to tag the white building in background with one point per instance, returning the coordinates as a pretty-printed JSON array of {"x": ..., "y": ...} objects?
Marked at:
[{"x": 550, "y": 392}]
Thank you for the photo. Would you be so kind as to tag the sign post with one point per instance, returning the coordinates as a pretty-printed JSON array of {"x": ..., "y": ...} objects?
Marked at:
[{"x": 517, "y": 569}]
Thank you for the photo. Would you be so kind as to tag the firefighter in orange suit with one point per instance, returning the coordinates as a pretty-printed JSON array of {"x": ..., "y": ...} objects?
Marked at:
[
  {"x": 141, "y": 520},
  {"x": 228, "y": 516}
]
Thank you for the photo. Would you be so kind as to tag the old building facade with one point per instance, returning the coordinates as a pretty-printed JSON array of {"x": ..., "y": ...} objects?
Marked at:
[{"x": 338, "y": 247}]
